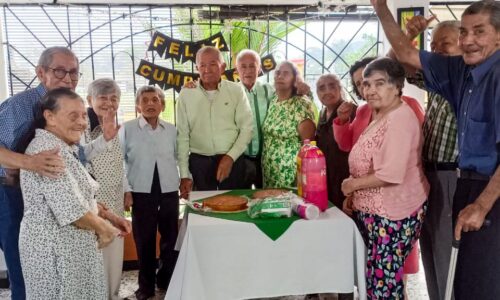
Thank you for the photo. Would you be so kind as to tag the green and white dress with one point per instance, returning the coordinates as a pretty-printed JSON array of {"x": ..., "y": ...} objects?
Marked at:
[{"x": 282, "y": 140}]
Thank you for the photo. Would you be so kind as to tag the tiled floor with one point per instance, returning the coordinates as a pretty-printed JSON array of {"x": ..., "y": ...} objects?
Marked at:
[{"x": 417, "y": 289}]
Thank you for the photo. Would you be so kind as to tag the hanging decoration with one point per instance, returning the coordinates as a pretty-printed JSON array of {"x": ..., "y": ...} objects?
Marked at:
[
  {"x": 183, "y": 51},
  {"x": 168, "y": 78}
]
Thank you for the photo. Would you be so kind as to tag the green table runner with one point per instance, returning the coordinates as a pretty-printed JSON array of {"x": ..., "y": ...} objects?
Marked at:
[{"x": 273, "y": 228}]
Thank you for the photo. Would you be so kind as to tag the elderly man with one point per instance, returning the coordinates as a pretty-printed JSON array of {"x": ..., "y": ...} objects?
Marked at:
[
  {"x": 57, "y": 67},
  {"x": 259, "y": 96},
  {"x": 214, "y": 127},
  {"x": 439, "y": 154},
  {"x": 471, "y": 84}
]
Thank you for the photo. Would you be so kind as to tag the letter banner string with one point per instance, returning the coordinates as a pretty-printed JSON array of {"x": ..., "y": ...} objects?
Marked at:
[
  {"x": 168, "y": 78},
  {"x": 183, "y": 51}
]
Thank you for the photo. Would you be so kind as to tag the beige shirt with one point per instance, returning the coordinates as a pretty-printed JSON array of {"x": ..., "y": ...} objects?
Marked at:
[{"x": 222, "y": 125}]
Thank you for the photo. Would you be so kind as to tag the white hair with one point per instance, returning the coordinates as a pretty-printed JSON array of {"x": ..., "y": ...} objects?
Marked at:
[{"x": 248, "y": 52}]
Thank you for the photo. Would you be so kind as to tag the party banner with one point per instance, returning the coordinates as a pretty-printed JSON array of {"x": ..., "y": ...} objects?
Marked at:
[
  {"x": 183, "y": 51},
  {"x": 168, "y": 78}
]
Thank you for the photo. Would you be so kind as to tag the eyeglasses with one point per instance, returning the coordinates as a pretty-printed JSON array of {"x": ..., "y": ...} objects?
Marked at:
[{"x": 61, "y": 73}]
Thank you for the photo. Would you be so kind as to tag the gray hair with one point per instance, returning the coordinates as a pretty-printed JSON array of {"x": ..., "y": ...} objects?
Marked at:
[
  {"x": 337, "y": 81},
  {"x": 147, "y": 89},
  {"x": 453, "y": 24},
  {"x": 394, "y": 70},
  {"x": 103, "y": 86},
  {"x": 209, "y": 49},
  {"x": 48, "y": 54},
  {"x": 248, "y": 52},
  {"x": 491, "y": 8}
]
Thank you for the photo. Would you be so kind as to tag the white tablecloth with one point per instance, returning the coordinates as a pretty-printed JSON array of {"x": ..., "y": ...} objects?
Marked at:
[{"x": 221, "y": 259}]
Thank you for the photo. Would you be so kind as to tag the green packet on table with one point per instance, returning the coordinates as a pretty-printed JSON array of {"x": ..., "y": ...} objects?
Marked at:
[{"x": 270, "y": 207}]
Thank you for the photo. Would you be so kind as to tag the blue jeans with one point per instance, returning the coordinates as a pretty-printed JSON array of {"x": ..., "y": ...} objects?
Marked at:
[{"x": 11, "y": 214}]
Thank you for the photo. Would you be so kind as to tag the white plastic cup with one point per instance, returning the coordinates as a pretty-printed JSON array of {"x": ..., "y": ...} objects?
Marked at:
[{"x": 307, "y": 211}]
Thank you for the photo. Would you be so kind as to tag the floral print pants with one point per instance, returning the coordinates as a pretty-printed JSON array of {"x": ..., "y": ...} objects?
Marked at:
[{"x": 388, "y": 243}]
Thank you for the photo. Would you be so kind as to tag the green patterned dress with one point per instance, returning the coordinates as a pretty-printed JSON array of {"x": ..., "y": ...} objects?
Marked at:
[{"x": 282, "y": 140}]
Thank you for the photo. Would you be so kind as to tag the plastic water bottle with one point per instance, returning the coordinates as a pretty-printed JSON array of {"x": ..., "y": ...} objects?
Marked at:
[
  {"x": 313, "y": 171},
  {"x": 300, "y": 157}
]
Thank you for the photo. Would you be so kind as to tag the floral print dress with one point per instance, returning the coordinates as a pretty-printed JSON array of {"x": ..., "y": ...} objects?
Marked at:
[
  {"x": 282, "y": 140},
  {"x": 59, "y": 260}
]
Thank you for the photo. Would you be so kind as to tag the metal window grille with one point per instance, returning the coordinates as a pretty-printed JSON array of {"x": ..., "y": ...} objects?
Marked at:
[{"x": 111, "y": 40}]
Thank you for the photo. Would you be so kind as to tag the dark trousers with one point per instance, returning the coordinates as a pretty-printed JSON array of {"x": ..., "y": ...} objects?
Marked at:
[
  {"x": 152, "y": 212},
  {"x": 435, "y": 239},
  {"x": 253, "y": 171},
  {"x": 204, "y": 171},
  {"x": 11, "y": 214},
  {"x": 478, "y": 264}
]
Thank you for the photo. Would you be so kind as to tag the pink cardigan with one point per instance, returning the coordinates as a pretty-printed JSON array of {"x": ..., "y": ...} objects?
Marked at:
[
  {"x": 346, "y": 135},
  {"x": 391, "y": 149}
]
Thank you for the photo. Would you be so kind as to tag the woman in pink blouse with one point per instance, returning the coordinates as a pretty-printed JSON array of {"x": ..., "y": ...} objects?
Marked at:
[
  {"x": 387, "y": 187},
  {"x": 347, "y": 133}
]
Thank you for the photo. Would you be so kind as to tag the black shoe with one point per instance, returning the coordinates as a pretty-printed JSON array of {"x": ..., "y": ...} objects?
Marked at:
[{"x": 140, "y": 295}]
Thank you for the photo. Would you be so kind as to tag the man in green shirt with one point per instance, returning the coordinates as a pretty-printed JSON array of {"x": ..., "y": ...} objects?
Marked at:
[
  {"x": 214, "y": 127},
  {"x": 259, "y": 97}
]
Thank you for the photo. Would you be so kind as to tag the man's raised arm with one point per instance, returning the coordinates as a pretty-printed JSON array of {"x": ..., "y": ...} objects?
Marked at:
[{"x": 401, "y": 44}]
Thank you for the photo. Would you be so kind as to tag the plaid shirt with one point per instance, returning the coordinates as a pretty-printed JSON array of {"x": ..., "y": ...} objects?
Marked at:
[
  {"x": 17, "y": 114},
  {"x": 439, "y": 129}
]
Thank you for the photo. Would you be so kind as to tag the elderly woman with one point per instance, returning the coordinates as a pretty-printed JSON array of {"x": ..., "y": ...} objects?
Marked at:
[
  {"x": 387, "y": 185},
  {"x": 149, "y": 146},
  {"x": 289, "y": 121},
  {"x": 107, "y": 168},
  {"x": 329, "y": 91},
  {"x": 346, "y": 134},
  {"x": 61, "y": 230}
]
